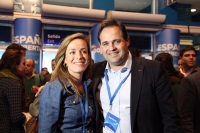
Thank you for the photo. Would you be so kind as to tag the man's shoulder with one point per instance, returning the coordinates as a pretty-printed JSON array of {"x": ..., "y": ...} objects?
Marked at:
[
  {"x": 102, "y": 63},
  {"x": 197, "y": 68},
  {"x": 36, "y": 76},
  {"x": 99, "y": 65},
  {"x": 146, "y": 62},
  {"x": 194, "y": 76}
]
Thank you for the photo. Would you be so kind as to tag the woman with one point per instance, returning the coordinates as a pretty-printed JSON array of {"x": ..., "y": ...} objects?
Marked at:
[
  {"x": 12, "y": 100},
  {"x": 66, "y": 104},
  {"x": 175, "y": 76}
]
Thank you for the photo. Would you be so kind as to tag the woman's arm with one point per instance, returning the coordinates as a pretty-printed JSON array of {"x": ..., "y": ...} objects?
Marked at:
[{"x": 49, "y": 108}]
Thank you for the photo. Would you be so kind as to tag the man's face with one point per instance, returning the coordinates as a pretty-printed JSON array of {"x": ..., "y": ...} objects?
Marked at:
[
  {"x": 179, "y": 63},
  {"x": 113, "y": 46},
  {"x": 189, "y": 59},
  {"x": 53, "y": 65},
  {"x": 44, "y": 71},
  {"x": 29, "y": 67}
]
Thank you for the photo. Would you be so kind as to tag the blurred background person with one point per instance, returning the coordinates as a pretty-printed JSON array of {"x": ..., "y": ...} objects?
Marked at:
[
  {"x": 48, "y": 76},
  {"x": 136, "y": 52},
  {"x": 44, "y": 72},
  {"x": 12, "y": 92},
  {"x": 189, "y": 103},
  {"x": 66, "y": 104},
  {"x": 175, "y": 76},
  {"x": 15, "y": 46},
  {"x": 188, "y": 58},
  {"x": 31, "y": 80},
  {"x": 179, "y": 63}
]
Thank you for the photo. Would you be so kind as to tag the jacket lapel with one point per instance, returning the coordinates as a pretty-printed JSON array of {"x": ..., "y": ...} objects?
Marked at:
[{"x": 136, "y": 84}]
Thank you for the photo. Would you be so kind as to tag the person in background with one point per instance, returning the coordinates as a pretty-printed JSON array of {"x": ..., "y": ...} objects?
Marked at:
[
  {"x": 53, "y": 64},
  {"x": 132, "y": 94},
  {"x": 12, "y": 92},
  {"x": 179, "y": 63},
  {"x": 44, "y": 72},
  {"x": 31, "y": 81},
  {"x": 48, "y": 76},
  {"x": 15, "y": 46},
  {"x": 136, "y": 52},
  {"x": 66, "y": 103},
  {"x": 189, "y": 103},
  {"x": 174, "y": 76},
  {"x": 188, "y": 58}
]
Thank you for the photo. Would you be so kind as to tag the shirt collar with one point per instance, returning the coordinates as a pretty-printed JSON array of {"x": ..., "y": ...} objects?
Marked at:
[
  {"x": 31, "y": 76},
  {"x": 125, "y": 67},
  {"x": 187, "y": 73}
]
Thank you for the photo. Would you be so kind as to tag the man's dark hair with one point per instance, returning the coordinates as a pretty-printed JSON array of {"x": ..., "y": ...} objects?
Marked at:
[
  {"x": 187, "y": 48},
  {"x": 16, "y": 46},
  {"x": 112, "y": 22},
  {"x": 43, "y": 68}
]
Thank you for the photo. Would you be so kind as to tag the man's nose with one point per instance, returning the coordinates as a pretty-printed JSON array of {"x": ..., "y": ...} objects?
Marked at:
[{"x": 111, "y": 46}]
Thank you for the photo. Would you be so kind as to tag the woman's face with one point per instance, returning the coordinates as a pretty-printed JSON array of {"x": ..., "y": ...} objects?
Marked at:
[
  {"x": 21, "y": 67},
  {"x": 77, "y": 57}
]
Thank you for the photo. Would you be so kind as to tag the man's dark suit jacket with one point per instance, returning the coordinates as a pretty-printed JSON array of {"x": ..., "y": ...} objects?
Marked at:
[
  {"x": 152, "y": 106},
  {"x": 189, "y": 103}
]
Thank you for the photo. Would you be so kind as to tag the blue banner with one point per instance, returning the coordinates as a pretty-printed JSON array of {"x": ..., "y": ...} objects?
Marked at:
[
  {"x": 27, "y": 32},
  {"x": 167, "y": 41},
  {"x": 95, "y": 49}
]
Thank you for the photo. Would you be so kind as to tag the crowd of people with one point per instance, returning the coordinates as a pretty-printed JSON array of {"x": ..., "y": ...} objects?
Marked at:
[{"x": 123, "y": 94}]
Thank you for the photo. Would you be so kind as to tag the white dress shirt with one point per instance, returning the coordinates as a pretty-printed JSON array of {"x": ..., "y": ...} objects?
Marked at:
[{"x": 121, "y": 103}]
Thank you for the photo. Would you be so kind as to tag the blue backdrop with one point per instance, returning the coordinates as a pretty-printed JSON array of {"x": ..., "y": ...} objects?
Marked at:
[
  {"x": 167, "y": 41},
  {"x": 95, "y": 49},
  {"x": 27, "y": 32}
]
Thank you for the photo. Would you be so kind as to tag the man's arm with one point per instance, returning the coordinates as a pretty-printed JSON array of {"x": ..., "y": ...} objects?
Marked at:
[
  {"x": 166, "y": 101},
  {"x": 186, "y": 105}
]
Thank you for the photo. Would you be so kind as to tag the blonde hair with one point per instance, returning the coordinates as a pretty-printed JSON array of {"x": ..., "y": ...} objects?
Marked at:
[{"x": 61, "y": 72}]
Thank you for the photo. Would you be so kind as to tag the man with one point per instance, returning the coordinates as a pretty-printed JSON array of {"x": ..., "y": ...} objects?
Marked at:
[
  {"x": 188, "y": 58},
  {"x": 189, "y": 103},
  {"x": 144, "y": 101},
  {"x": 53, "y": 66},
  {"x": 179, "y": 63},
  {"x": 31, "y": 81},
  {"x": 44, "y": 72}
]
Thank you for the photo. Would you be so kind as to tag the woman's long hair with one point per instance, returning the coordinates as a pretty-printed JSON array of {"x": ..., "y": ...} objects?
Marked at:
[
  {"x": 10, "y": 60},
  {"x": 167, "y": 60},
  {"x": 61, "y": 71}
]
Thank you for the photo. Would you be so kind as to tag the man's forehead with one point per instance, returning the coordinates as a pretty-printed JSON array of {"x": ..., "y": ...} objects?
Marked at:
[{"x": 189, "y": 52}]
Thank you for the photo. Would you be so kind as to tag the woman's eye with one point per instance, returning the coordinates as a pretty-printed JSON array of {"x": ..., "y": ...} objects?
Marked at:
[
  {"x": 84, "y": 51},
  {"x": 72, "y": 52}
]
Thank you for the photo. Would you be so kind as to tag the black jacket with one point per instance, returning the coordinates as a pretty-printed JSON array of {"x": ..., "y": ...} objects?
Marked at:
[{"x": 153, "y": 108}]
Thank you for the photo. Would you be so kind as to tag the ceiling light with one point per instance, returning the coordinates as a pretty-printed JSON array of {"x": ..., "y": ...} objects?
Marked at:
[{"x": 193, "y": 10}]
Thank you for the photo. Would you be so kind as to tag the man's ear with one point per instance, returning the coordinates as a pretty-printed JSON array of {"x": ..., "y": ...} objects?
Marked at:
[
  {"x": 128, "y": 41},
  {"x": 100, "y": 48}
]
